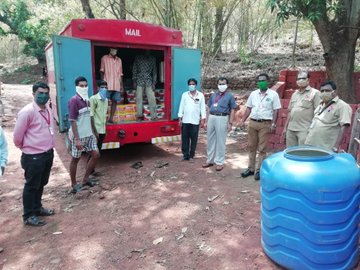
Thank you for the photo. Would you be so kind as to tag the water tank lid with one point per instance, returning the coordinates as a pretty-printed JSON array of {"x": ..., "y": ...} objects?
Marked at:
[{"x": 308, "y": 153}]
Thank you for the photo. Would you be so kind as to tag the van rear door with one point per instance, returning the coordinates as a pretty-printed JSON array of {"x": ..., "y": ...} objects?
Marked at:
[
  {"x": 72, "y": 58},
  {"x": 185, "y": 64}
]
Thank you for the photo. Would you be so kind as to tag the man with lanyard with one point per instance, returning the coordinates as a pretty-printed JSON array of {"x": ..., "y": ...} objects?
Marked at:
[
  {"x": 262, "y": 105},
  {"x": 301, "y": 111},
  {"x": 192, "y": 111},
  {"x": 81, "y": 134},
  {"x": 221, "y": 108},
  {"x": 332, "y": 118},
  {"x": 112, "y": 72},
  {"x": 34, "y": 135}
]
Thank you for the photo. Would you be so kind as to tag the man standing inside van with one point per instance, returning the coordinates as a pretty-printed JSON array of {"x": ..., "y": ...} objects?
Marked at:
[
  {"x": 144, "y": 78},
  {"x": 111, "y": 71}
]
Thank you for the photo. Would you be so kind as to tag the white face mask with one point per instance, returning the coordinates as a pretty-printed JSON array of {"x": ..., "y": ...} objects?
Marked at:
[
  {"x": 222, "y": 87},
  {"x": 302, "y": 83},
  {"x": 192, "y": 87},
  {"x": 326, "y": 96},
  {"x": 83, "y": 92}
]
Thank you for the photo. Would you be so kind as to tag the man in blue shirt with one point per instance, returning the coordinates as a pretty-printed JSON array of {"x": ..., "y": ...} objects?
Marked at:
[{"x": 221, "y": 108}]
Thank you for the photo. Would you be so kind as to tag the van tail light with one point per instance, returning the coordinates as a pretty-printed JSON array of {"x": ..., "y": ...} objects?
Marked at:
[{"x": 168, "y": 128}]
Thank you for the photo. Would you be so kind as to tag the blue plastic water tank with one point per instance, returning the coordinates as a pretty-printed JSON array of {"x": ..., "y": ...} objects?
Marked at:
[{"x": 310, "y": 209}]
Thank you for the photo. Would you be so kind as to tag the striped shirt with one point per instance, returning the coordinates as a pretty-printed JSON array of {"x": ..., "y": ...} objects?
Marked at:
[
  {"x": 34, "y": 129},
  {"x": 112, "y": 68}
]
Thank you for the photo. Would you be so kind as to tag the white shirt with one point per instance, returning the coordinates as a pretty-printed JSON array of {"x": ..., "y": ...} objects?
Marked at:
[
  {"x": 192, "y": 108},
  {"x": 263, "y": 104}
]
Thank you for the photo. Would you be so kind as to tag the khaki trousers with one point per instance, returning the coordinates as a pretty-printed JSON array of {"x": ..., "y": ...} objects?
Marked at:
[
  {"x": 295, "y": 138},
  {"x": 139, "y": 101},
  {"x": 258, "y": 134}
]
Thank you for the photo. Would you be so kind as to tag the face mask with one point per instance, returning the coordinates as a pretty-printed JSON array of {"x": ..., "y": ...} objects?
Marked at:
[
  {"x": 83, "y": 92},
  {"x": 113, "y": 52},
  {"x": 192, "y": 87},
  {"x": 326, "y": 96},
  {"x": 263, "y": 85},
  {"x": 302, "y": 83},
  {"x": 103, "y": 93},
  {"x": 222, "y": 87},
  {"x": 41, "y": 98}
]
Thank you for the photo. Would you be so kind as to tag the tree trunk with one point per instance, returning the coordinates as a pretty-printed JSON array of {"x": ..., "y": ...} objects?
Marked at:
[
  {"x": 87, "y": 9},
  {"x": 339, "y": 45},
  {"x": 219, "y": 29},
  {"x": 122, "y": 9}
]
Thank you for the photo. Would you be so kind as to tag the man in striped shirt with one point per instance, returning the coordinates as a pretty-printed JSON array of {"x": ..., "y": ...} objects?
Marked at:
[{"x": 111, "y": 71}]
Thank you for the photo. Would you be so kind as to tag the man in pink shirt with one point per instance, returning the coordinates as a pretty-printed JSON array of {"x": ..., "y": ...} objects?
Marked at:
[
  {"x": 111, "y": 71},
  {"x": 34, "y": 135}
]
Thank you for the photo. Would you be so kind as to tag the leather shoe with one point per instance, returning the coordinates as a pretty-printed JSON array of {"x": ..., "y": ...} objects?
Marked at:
[
  {"x": 207, "y": 165},
  {"x": 247, "y": 173},
  {"x": 34, "y": 221},
  {"x": 43, "y": 212},
  {"x": 219, "y": 167},
  {"x": 257, "y": 176}
]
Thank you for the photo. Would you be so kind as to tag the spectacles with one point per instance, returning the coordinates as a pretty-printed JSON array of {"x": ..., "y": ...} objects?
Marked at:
[
  {"x": 301, "y": 79},
  {"x": 326, "y": 90}
]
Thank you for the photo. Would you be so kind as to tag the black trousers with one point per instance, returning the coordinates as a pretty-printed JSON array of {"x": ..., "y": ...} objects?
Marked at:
[
  {"x": 37, "y": 169},
  {"x": 189, "y": 137},
  {"x": 100, "y": 141}
]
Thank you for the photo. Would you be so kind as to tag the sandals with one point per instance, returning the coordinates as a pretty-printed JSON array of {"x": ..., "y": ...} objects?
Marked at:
[
  {"x": 137, "y": 165},
  {"x": 34, "y": 221},
  {"x": 45, "y": 212},
  {"x": 76, "y": 188},
  {"x": 90, "y": 183}
]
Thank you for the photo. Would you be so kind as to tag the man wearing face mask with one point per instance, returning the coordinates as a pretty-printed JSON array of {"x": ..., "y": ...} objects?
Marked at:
[
  {"x": 221, "y": 110},
  {"x": 302, "y": 104},
  {"x": 111, "y": 71},
  {"x": 262, "y": 106},
  {"x": 98, "y": 110},
  {"x": 34, "y": 135},
  {"x": 81, "y": 134},
  {"x": 191, "y": 114},
  {"x": 332, "y": 118}
]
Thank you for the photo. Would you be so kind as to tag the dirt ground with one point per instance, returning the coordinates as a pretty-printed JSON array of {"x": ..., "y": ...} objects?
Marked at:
[{"x": 179, "y": 216}]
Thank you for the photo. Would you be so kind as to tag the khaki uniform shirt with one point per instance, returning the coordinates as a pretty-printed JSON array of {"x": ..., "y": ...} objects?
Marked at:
[
  {"x": 98, "y": 110},
  {"x": 301, "y": 108},
  {"x": 326, "y": 124}
]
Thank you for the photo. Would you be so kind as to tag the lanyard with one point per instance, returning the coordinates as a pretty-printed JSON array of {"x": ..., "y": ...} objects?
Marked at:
[
  {"x": 193, "y": 97},
  {"x": 47, "y": 119},
  {"x": 327, "y": 106},
  {"x": 261, "y": 100},
  {"x": 218, "y": 97}
]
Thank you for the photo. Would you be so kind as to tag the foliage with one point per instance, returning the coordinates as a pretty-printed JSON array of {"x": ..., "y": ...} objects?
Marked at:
[{"x": 18, "y": 19}]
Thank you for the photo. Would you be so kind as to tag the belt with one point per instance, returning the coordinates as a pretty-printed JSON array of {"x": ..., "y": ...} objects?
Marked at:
[
  {"x": 260, "y": 120},
  {"x": 38, "y": 154},
  {"x": 220, "y": 114}
]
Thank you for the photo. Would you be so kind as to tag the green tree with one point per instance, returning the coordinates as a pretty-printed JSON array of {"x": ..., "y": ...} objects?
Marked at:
[
  {"x": 18, "y": 19},
  {"x": 337, "y": 24}
]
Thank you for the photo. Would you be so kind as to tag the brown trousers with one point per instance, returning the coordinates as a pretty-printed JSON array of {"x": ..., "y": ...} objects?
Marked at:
[{"x": 258, "y": 134}]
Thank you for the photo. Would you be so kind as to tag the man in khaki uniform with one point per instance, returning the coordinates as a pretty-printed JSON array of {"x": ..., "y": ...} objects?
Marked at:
[
  {"x": 301, "y": 111},
  {"x": 331, "y": 120}
]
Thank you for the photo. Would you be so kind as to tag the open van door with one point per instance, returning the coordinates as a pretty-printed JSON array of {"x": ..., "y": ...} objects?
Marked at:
[
  {"x": 185, "y": 65},
  {"x": 72, "y": 58}
]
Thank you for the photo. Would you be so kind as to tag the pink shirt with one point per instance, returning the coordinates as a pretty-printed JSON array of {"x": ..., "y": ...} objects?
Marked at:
[
  {"x": 34, "y": 129},
  {"x": 113, "y": 71}
]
